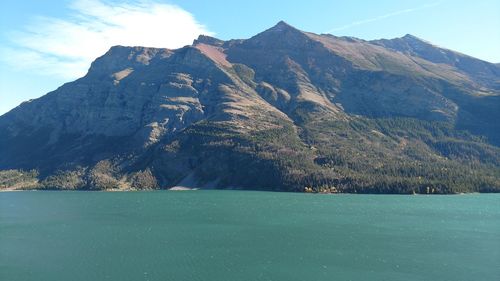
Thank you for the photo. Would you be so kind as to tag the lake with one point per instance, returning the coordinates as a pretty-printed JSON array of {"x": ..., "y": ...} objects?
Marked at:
[{"x": 244, "y": 235}]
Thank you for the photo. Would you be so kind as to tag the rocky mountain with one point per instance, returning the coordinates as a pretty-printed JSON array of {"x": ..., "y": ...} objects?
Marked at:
[
  {"x": 484, "y": 73},
  {"x": 283, "y": 110}
]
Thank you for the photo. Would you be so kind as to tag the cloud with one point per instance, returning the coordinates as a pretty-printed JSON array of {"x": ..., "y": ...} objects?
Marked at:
[
  {"x": 65, "y": 47},
  {"x": 389, "y": 15}
]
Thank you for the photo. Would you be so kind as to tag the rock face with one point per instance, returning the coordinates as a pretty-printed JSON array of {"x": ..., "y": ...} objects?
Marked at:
[{"x": 282, "y": 110}]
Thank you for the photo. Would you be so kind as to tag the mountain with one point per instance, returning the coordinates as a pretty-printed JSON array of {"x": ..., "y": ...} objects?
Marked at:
[
  {"x": 284, "y": 110},
  {"x": 484, "y": 73}
]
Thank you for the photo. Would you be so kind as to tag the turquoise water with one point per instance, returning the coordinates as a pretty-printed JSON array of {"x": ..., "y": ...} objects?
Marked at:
[{"x": 238, "y": 235}]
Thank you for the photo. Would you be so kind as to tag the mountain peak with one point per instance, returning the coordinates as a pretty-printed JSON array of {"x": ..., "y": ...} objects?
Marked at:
[
  {"x": 409, "y": 36},
  {"x": 209, "y": 40},
  {"x": 281, "y": 26},
  {"x": 280, "y": 35},
  {"x": 413, "y": 38}
]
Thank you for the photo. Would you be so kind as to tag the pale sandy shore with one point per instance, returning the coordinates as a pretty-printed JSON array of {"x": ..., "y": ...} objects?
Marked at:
[{"x": 181, "y": 188}]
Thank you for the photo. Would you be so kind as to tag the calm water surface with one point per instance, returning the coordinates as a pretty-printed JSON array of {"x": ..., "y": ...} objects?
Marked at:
[{"x": 237, "y": 235}]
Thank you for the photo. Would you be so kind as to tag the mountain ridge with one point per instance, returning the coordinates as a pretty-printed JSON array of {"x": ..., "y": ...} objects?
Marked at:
[{"x": 283, "y": 110}]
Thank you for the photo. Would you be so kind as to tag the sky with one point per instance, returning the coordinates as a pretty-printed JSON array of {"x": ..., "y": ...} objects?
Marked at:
[{"x": 44, "y": 44}]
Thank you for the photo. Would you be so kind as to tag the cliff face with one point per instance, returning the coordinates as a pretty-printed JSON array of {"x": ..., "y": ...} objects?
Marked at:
[{"x": 282, "y": 110}]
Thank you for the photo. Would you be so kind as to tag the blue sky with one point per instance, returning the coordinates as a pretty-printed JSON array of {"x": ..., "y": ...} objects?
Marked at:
[{"x": 44, "y": 44}]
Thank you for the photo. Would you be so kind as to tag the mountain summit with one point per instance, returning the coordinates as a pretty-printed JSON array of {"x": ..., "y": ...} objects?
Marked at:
[
  {"x": 281, "y": 26},
  {"x": 283, "y": 110}
]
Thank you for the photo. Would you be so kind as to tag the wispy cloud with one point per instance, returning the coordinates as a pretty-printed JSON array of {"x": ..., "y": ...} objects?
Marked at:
[
  {"x": 382, "y": 17},
  {"x": 65, "y": 47}
]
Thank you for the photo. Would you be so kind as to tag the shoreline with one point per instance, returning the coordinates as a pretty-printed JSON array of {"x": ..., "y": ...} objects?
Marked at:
[{"x": 182, "y": 188}]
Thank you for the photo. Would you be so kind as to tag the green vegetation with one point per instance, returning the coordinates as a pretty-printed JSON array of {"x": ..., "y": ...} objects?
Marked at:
[
  {"x": 65, "y": 180},
  {"x": 399, "y": 155},
  {"x": 360, "y": 155},
  {"x": 103, "y": 176},
  {"x": 143, "y": 180},
  {"x": 18, "y": 179}
]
